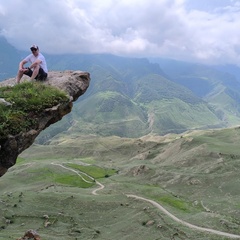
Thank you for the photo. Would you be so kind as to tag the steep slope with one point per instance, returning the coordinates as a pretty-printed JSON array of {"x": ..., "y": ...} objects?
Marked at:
[
  {"x": 132, "y": 97},
  {"x": 212, "y": 83},
  {"x": 171, "y": 107}
]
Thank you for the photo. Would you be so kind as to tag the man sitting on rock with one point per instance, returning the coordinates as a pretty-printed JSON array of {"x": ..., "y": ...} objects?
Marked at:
[{"x": 38, "y": 66}]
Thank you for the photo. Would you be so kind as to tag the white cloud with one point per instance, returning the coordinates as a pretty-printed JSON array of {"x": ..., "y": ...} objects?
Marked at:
[{"x": 181, "y": 29}]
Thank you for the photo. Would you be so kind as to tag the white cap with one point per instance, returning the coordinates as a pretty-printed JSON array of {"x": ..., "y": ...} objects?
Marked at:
[{"x": 34, "y": 46}]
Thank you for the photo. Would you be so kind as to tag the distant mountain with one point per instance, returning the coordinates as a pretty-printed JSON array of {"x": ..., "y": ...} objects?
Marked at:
[
  {"x": 131, "y": 97},
  {"x": 9, "y": 59},
  {"x": 229, "y": 68},
  {"x": 219, "y": 86}
]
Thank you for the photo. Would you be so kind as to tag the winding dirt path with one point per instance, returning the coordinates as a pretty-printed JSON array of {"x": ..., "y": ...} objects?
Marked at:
[
  {"x": 94, "y": 192},
  {"x": 202, "y": 229},
  {"x": 157, "y": 205}
]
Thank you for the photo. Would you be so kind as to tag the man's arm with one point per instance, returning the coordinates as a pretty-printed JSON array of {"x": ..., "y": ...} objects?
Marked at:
[{"x": 21, "y": 65}]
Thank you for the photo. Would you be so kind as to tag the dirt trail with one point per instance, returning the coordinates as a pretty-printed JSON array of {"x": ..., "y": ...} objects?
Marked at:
[
  {"x": 209, "y": 230},
  {"x": 202, "y": 229},
  {"x": 94, "y": 192}
]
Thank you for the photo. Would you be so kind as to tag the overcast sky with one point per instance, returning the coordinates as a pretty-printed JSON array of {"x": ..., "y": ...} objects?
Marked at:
[{"x": 205, "y": 31}]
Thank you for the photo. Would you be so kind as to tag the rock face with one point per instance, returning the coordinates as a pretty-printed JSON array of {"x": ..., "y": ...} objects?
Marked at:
[{"x": 74, "y": 83}]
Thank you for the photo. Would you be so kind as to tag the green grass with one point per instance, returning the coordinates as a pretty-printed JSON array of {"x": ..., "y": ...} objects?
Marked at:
[
  {"x": 73, "y": 180},
  {"x": 28, "y": 100},
  {"x": 175, "y": 203},
  {"x": 93, "y": 171},
  {"x": 57, "y": 175},
  {"x": 183, "y": 174}
]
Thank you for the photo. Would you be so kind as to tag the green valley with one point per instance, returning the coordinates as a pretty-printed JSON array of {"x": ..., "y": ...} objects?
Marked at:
[{"x": 194, "y": 176}]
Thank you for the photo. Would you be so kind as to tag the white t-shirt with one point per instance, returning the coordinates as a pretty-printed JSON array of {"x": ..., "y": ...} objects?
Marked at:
[{"x": 31, "y": 58}]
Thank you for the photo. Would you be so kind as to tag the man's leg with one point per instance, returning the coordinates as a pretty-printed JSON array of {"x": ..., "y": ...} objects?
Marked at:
[
  {"x": 19, "y": 76},
  {"x": 35, "y": 72},
  {"x": 20, "y": 73}
]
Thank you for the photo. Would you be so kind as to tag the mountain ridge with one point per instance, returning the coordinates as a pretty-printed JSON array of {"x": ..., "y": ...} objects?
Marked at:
[{"x": 177, "y": 96}]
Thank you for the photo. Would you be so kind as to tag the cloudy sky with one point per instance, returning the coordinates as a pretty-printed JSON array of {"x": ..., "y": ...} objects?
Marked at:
[{"x": 205, "y": 31}]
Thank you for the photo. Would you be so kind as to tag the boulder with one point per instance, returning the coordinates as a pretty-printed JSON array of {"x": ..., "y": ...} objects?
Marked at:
[{"x": 30, "y": 235}]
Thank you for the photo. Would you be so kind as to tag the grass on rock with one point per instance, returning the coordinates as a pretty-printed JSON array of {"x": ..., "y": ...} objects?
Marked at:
[{"x": 27, "y": 100}]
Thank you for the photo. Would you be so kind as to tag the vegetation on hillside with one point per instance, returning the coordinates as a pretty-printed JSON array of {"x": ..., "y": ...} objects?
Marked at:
[
  {"x": 131, "y": 97},
  {"x": 27, "y": 100},
  {"x": 195, "y": 176}
]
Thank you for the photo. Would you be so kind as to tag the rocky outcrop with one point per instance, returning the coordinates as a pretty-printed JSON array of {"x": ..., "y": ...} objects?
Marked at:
[
  {"x": 74, "y": 83},
  {"x": 30, "y": 235}
]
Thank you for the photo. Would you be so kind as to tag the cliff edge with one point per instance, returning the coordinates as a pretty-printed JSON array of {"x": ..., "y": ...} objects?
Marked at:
[{"x": 73, "y": 83}]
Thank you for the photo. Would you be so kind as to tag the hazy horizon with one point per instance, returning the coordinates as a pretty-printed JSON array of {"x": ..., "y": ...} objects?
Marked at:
[{"x": 195, "y": 30}]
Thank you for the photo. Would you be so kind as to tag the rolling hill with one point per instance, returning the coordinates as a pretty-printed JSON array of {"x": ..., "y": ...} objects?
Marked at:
[{"x": 194, "y": 176}]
